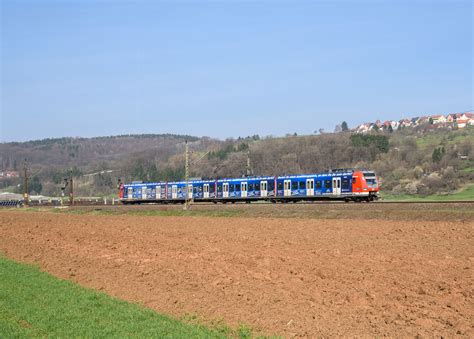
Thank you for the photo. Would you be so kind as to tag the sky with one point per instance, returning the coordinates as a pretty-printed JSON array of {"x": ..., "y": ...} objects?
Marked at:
[{"x": 228, "y": 68}]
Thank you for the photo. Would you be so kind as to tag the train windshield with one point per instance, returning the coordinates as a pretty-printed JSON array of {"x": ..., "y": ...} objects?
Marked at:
[
  {"x": 371, "y": 179},
  {"x": 371, "y": 183}
]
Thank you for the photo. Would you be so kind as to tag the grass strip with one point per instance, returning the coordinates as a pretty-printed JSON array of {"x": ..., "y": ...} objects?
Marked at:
[
  {"x": 35, "y": 304},
  {"x": 466, "y": 194}
]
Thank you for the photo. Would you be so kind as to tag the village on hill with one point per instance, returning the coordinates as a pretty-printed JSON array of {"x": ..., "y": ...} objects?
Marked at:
[{"x": 450, "y": 121}]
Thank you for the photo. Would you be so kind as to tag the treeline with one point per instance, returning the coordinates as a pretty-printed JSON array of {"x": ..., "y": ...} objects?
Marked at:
[
  {"x": 71, "y": 140},
  {"x": 407, "y": 161}
]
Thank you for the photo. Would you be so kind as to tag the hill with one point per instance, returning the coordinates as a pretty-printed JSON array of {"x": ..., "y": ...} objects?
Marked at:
[{"x": 407, "y": 161}]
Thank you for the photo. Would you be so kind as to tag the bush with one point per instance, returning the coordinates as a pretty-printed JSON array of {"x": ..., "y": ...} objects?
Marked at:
[{"x": 380, "y": 142}]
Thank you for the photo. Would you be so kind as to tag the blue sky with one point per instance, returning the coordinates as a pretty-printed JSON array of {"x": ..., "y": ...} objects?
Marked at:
[{"x": 228, "y": 68}]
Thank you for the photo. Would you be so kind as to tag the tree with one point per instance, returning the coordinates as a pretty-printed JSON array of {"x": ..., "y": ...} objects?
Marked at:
[
  {"x": 338, "y": 129},
  {"x": 380, "y": 142},
  {"x": 390, "y": 129},
  {"x": 34, "y": 186},
  {"x": 438, "y": 154},
  {"x": 344, "y": 126}
]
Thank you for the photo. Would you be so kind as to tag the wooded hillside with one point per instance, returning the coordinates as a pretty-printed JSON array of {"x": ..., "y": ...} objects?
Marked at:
[{"x": 407, "y": 161}]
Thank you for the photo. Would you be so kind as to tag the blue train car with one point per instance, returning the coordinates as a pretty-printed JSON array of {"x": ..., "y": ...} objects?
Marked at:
[{"x": 337, "y": 184}]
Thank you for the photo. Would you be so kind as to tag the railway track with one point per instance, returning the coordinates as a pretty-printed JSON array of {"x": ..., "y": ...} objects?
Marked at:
[
  {"x": 254, "y": 204},
  {"x": 319, "y": 203}
]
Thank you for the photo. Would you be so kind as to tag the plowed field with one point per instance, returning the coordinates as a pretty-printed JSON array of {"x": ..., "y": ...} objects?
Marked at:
[{"x": 290, "y": 277}]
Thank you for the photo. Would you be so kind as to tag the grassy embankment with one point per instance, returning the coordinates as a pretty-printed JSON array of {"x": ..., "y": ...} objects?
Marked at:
[
  {"x": 35, "y": 304},
  {"x": 465, "y": 194}
]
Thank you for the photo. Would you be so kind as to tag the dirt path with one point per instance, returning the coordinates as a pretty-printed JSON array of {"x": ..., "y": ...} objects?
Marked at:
[{"x": 281, "y": 276}]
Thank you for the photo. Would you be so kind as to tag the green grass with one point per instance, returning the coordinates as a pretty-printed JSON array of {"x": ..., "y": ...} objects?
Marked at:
[
  {"x": 35, "y": 304},
  {"x": 465, "y": 194},
  {"x": 451, "y": 137}
]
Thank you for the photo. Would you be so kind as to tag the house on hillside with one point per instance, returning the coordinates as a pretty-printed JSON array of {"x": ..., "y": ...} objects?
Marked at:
[
  {"x": 390, "y": 123},
  {"x": 452, "y": 117},
  {"x": 414, "y": 121},
  {"x": 438, "y": 119},
  {"x": 462, "y": 123},
  {"x": 423, "y": 120},
  {"x": 464, "y": 120},
  {"x": 364, "y": 128},
  {"x": 9, "y": 174},
  {"x": 405, "y": 122}
]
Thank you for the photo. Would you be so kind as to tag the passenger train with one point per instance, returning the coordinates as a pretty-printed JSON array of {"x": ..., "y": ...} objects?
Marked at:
[{"x": 339, "y": 184}]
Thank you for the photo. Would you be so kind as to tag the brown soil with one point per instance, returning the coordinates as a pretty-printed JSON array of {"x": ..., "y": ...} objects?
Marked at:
[{"x": 291, "y": 277}]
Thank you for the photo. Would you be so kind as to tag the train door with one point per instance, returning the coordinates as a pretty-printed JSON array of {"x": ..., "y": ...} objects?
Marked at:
[
  {"x": 158, "y": 192},
  {"x": 243, "y": 192},
  {"x": 130, "y": 193},
  {"x": 225, "y": 190},
  {"x": 287, "y": 188},
  {"x": 190, "y": 191},
  {"x": 263, "y": 188},
  {"x": 310, "y": 187},
  {"x": 206, "y": 191},
  {"x": 174, "y": 192},
  {"x": 336, "y": 186},
  {"x": 144, "y": 192}
]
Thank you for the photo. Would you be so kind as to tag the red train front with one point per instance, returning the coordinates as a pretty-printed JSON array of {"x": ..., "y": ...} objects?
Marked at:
[{"x": 365, "y": 186}]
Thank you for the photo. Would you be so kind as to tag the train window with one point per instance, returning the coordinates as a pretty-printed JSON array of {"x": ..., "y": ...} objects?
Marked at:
[
  {"x": 271, "y": 185},
  {"x": 318, "y": 184},
  {"x": 371, "y": 182},
  {"x": 327, "y": 183},
  {"x": 219, "y": 188},
  {"x": 250, "y": 187},
  {"x": 231, "y": 187},
  {"x": 195, "y": 189},
  {"x": 280, "y": 185},
  {"x": 354, "y": 180},
  {"x": 302, "y": 185},
  {"x": 212, "y": 187},
  {"x": 345, "y": 184},
  {"x": 294, "y": 185},
  {"x": 237, "y": 187},
  {"x": 257, "y": 187}
]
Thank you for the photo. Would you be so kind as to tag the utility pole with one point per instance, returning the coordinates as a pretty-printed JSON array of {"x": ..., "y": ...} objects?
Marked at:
[
  {"x": 71, "y": 189},
  {"x": 25, "y": 183},
  {"x": 187, "y": 202}
]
